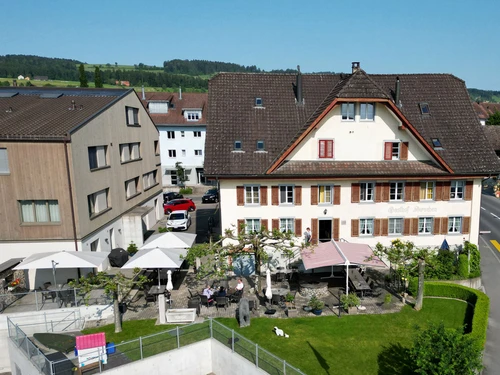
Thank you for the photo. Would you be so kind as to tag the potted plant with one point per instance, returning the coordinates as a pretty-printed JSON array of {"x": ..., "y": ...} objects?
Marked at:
[
  {"x": 290, "y": 300},
  {"x": 349, "y": 302},
  {"x": 132, "y": 248},
  {"x": 316, "y": 305},
  {"x": 13, "y": 284}
]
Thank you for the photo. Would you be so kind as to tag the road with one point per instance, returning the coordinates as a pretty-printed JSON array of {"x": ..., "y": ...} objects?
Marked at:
[{"x": 490, "y": 266}]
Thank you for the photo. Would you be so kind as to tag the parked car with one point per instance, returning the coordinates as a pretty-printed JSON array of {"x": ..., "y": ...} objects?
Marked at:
[
  {"x": 167, "y": 197},
  {"x": 179, "y": 220},
  {"x": 179, "y": 205},
  {"x": 211, "y": 195}
]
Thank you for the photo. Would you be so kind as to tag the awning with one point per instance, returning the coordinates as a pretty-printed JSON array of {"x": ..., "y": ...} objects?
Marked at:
[{"x": 64, "y": 259}]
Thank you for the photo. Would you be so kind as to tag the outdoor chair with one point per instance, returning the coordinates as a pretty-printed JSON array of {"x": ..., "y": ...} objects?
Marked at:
[
  {"x": 277, "y": 300},
  {"x": 280, "y": 276},
  {"x": 221, "y": 302},
  {"x": 195, "y": 304},
  {"x": 205, "y": 300},
  {"x": 236, "y": 296},
  {"x": 251, "y": 304},
  {"x": 149, "y": 297}
]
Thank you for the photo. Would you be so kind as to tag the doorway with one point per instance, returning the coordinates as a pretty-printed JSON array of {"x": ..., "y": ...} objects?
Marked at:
[{"x": 325, "y": 230}]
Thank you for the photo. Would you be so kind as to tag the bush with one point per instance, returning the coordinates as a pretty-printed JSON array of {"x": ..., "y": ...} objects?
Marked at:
[
  {"x": 388, "y": 298},
  {"x": 132, "y": 248},
  {"x": 413, "y": 286},
  {"x": 472, "y": 252},
  {"x": 476, "y": 298},
  {"x": 442, "y": 266},
  {"x": 162, "y": 229},
  {"x": 315, "y": 303},
  {"x": 186, "y": 190},
  {"x": 463, "y": 265},
  {"x": 350, "y": 300}
]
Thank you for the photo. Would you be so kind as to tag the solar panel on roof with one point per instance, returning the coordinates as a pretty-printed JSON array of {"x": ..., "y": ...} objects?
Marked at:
[
  {"x": 8, "y": 94},
  {"x": 51, "y": 95}
]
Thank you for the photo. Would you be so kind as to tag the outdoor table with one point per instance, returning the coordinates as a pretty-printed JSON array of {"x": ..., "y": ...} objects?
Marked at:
[
  {"x": 156, "y": 290},
  {"x": 359, "y": 283}
]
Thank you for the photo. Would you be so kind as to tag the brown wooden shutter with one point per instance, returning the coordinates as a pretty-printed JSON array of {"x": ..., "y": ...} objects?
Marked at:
[
  {"x": 263, "y": 195},
  {"x": 264, "y": 224},
  {"x": 404, "y": 151},
  {"x": 336, "y": 228},
  {"x": 416, "y": 191},
  {"x": 388, "y": 151},
  {"x": 355, "y": 192},
  {"x": 466, "y": 225},
  {"x": 354, "y": 228},
  {"x": 444, "y": 225},
  {"x": 438, "y": 192},
  {"x": 414, "y": 227},
  {"x": 314, "y": 231},
  {"x": 377, "y": 227},
  {"x": 276, "y": 224},
  {"x": 468, "y": 190},
  {"x": 437, "y": 226},
  {"x": 298, "y": 195},
  {"x": 336, "y": 194},
  {"x": 240, "y": 195},
  {"x": 406, "y": 227},
  {"x": 241, "y": 226},
  {"x": 378, "y": 192},
  {"x": 314, "y": 194},
  {"x": 385, "y": 191},
  {"x": 275, "y": 195},
  {"x": 321, "y": 149},
  {"x": 446, "y": 190},
  {"x": 408, "y": 192},
  {"x": 298, "y": 227},
  {"x": 385, "y": 227}
]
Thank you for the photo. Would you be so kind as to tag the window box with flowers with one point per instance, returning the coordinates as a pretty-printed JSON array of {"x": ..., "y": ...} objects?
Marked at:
[{"x": 13, "y": 285}]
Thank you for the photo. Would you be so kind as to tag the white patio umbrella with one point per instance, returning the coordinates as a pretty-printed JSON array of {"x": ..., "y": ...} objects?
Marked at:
[
  {"x": 269, "y": 292},
  {"x": 169, "y": 240},
  {"x": 170, "y": 286}
]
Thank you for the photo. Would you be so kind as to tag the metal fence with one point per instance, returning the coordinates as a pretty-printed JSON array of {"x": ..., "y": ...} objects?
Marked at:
[{"x": 147, "y": 346}]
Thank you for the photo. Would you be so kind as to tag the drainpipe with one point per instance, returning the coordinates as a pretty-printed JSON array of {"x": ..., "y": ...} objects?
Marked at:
[{"x": 70, "y": 189}]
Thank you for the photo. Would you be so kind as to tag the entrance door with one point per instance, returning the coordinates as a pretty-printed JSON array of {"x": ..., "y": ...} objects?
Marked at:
[{"x": 325, "y": 230}]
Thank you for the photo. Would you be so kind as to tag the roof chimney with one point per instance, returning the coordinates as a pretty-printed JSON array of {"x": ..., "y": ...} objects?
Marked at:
[
  {"x": 143, "y": 93},
  {"x": 73, "y": 105},
  {"x": 398, "y": 91},
  {"x": 300, "y": 100},
  {"x": 355, "y": 66},
  {"x": 180, "y": 93}
]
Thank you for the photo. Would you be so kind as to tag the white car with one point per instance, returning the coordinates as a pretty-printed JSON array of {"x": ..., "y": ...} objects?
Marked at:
[{"x": 179, "y": 220}]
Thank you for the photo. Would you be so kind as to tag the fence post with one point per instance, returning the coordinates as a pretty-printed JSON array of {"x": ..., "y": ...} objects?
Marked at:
[
  {"x": 17, "y": 337},
  {"x": 52, "y": 325},
  {"x": 45, "y": 317},
  {"x": 178, "y": 340},
  {"x": 211, "y": 329},
  {"x": 232, "y": 340},
  {"x": 74, "y": 293},
  {"x": 99, "y": 358},
  {"x": 27, "y": 347},
  {"x": 284, "y": 367},
  {"x": 36, "y": 300},
  {"x": 140, "y": 346},
  {"x": 257, "y": 355}
]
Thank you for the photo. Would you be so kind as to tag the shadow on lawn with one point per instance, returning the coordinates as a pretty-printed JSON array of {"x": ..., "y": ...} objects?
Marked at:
[
  {"x": 395, "y": 359},
  {"x": 320, "y": 358}
]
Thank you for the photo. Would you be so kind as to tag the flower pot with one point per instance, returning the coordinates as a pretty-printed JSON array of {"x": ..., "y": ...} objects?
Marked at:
[
  {"x": 352, "y": 310},
  {"x": 317, "y": 312},
  {"x": 292, "y": 312}
]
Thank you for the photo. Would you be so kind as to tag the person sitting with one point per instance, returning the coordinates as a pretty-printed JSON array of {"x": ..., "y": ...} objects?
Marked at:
[
  {"x": 240, "y": 286},
  {"x": 208, "y": 292},
  {"x": 221, "y": 292}
]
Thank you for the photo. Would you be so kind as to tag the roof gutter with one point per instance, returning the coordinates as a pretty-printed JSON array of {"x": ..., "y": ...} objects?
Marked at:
[{"x": 70, "y": 190}]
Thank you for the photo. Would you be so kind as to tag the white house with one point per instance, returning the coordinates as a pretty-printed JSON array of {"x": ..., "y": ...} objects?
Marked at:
[
  {"x": 355, "y": 157},
  {"x": 181, "y": 122}
]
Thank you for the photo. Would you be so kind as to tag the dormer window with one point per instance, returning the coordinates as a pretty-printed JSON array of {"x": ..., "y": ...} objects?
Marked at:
[
  {"x": 158, "y": 106},
  {"x": 258, "y": 102},
  {"x": 192, "y": 115},
  {"x": 260, "y": 145},
  {"x": 237, "y": 145},
  {"x": 424, "y": 108}
]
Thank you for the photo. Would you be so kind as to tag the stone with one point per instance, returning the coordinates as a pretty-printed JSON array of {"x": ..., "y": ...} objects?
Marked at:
[{"x": 244, "y": 312}]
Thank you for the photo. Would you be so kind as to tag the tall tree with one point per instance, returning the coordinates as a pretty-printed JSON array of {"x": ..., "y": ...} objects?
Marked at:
[
  {"x": 494, "y": 119},
  {"x": 97, "y": 77},
  {"x": 83, "y": 76}
]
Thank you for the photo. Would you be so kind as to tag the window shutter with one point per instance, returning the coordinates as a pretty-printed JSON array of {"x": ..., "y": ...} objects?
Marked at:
[
  {"x": 264, "y": 224},
  {"x": 378, "y": 192},
  {"x": 240, "y": 195},
  {"x": 314, "y": 194},
  {"x": 438, "y": 193},
  {"x": 354, "y": 228},
  {"x": 336, "y": 228},
  {"x": 406, "y": 227},
  {"x": 298, "y": 227},
  {"x": 468, "y": 190},
  {"x": 416, "y": 191},
  {"x": 444, "y": 225},
  {"x": 466, "y": 225},
  {"x": 275, "y": 195},
  {"x": 298, "y": 195},
  {"x": 336, "y": 194},
  {"x": 404, "y": 151},
  {"x": 263, "y": 195},
  {"x": 408, "y": 192},
  {"x": 446, "y": 190},
  {"x": 385, "y": 191},
  {"x": 437, "y": 226},
  {"x": 321, "y": 149},
  {"x": 388, "y": 151},
  {"x": 385, "y": 227},
  {"x": 414, "y": 227},
  {"x": 329, "y": 149},
  {"x": 314, "y": 231},
  {"x": 241, "y": 228},
  {"x": 276, "y": 224},
  {"x": 355, "y": 193},
  {"x": 377, "y": 226}
]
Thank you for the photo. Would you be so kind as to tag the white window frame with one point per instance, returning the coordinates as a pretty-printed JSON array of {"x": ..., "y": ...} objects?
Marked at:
[
  {"x": 366, "y": 105},
  {"x": 252, "y": 195},
  {"x": 132, "y": 116},
  {"x": 172, "y": 153},
  {"x": 345, "y": 113},
  {"x": 327, "y": 190},
  {"x": 396, "y": 151},
  {"x": 252, "y": 225},
  {"x": 287, "y": 224},
  {"x": 366, "y": 227},
  {"x": 455, "y": 224},
  {"x": 393, "y": 224},
  {"x": 183, "y": 152},
  {"x": 399, "y": 185},
  {"x": 53, "y": 215},
  {"x": 364, "y": 189},
  {"x": 192, "y": 115},
  {"x": 170, "y": 134},
  {"x": 426, "y": 185},
  {"x": 287, "y": 189},
  {"x": 101, "y": 196},
  {"x": 101, "y": 156},
  {"x": 425, "y": 225},
  {"x": 457, "y": 188},
  {"x": 198, "y": 153},
  {"x": 4, "y": 161}
]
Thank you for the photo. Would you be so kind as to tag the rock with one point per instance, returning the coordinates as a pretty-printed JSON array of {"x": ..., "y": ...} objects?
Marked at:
[{"x": 244, "y": 312}]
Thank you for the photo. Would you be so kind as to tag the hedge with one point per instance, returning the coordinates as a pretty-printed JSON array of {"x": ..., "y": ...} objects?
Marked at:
[{"x": 476, "y": 298}]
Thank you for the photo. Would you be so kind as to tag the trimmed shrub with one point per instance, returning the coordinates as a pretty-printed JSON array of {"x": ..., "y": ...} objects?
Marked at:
[
  {"x": 476, "y": 298},
  {"x": 463, "y": 265},
  {"x": 471, "y": 250},
  {"x": 413, "y": 286},
  {"x": 186, "y": 190}
]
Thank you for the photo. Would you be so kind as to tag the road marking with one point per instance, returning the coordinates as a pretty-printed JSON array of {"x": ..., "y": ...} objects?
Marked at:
[
  {"x": 489, "y": 248},
  {"x": 482, "y": 208},
  {"x": 496, "y": 244},
  {"x": 484, "y": 231},
  {"x": 492, "y": 214}
]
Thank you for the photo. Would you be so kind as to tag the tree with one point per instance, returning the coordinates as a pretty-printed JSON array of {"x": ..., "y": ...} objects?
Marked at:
[
  {"x": 263, "y": 244},
  {"x": 181, "y": 173},
  {"x": 494, "y": 119},
  {"x": 97, "y": 77},
  {"x": 443, "y": 351},
  {"x": 115, "y": 286},
  {"x": 83, "y": 76}
]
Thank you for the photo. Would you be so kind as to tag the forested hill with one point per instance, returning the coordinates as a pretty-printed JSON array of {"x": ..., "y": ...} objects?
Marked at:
[
  {"x": 28, "y": 65},
  {"x": 484, "y": 95},
  {"x": 204, "y": 67}
]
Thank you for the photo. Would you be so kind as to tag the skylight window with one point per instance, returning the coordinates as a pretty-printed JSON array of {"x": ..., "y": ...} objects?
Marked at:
[
  {"x": 258, "y": 102},
  {"x": 237, "y": 145},
  {"x": 260, "y": 145},
  {"x": 424, "y": 108},
  {"x": 436, "y": 143}
]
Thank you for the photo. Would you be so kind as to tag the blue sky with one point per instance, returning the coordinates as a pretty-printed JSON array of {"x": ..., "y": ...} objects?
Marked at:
[{"x": 393, "y": 36}]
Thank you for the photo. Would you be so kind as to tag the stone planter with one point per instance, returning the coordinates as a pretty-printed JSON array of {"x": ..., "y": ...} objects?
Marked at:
[
  {"x": 292, "y": 312},
  {"x": 352, "y": 310}
]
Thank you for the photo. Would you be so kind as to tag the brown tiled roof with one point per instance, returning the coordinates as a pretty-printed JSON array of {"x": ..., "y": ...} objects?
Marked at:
[
  {"x": 233, "y": 116},
  {"x": 492, "y": 133},
  {"x": 175, "y": 115},
  {"x": 485, "y": 109},
  {"x": 28, "y": 116},
  {"x": 358, "y": 168}
]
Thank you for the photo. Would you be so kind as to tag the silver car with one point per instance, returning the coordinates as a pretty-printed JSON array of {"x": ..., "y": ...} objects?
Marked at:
[{"x": 179, "y": 220}]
